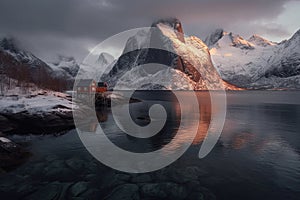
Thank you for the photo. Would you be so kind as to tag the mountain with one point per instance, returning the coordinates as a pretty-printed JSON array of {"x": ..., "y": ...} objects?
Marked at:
[
  {"x": 188, "y": 58},
  {"x": 95, "y": 66},
  {"x": 105, "y": 59},
  {"x": 25, "y": 67},
  {"x": 22, "y": 65},
  {"x": 256, "y": 63},
  {"x": 260, "y": 41},
  {"x": 64, "y": 66}
]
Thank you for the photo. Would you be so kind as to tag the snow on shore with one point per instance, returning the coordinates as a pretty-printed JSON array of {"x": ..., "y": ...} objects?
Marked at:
[{"x": 37, "y": 102}]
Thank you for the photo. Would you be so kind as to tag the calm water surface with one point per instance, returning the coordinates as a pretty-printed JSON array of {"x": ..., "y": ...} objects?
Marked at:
[{"x": 256, "y": 157}]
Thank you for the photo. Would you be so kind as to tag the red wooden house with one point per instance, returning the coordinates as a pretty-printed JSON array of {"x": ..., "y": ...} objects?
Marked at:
[
  {"x": 86, "y": 86},
  {"x": 101, "y": 87}
]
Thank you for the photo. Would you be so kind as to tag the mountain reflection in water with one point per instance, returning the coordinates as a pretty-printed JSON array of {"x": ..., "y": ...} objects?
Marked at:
[{"x": 256, "y": 157}]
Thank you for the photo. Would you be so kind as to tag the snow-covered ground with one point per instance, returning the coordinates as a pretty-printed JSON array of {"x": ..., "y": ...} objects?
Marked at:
[{"x": 34, "y": 101}]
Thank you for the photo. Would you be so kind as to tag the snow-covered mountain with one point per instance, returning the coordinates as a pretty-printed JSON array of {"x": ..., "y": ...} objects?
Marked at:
[
  {"x": 22, "y": 65},
  {"x": 188, "y": 58},
  {"x": 105, "y": 59},
  {"x": 95, "y": 66},
  {"x": 10, "y": 52},
  {"x": 225, "y": 58},
  {"x": 256, "y": 63},
  {"x": 65, "y": 67}
]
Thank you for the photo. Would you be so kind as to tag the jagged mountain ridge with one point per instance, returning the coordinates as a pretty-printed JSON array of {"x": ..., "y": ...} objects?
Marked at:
[
  {"x": 256, "y": 63},
  {"x": 65, "y": 67},
  {"x": 186, "y": 57},
  {"x": 22, "y": 65}
]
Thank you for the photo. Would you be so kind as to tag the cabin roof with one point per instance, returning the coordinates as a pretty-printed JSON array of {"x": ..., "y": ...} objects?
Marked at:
[
  {"x": 102, "y": 84},
  {"x": 84, "y": 82}
]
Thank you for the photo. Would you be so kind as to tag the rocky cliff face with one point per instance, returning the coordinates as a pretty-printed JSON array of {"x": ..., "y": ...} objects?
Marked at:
[{"x": 188, "y": 59}]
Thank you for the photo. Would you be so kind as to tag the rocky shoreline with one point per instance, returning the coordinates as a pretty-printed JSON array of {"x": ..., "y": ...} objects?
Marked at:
[
  {"x": 55, "y": 120},
  {"x": 96, "y": 181},
  {"x": 27, "y": 123},
  {"x": 11, "y": 154}
]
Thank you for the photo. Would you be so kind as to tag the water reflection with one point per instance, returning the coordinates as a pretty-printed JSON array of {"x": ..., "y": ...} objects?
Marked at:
[
  {"x": 85, "y": 120},
  {"x": 258, "y": 156},
  {"x": 140, "y": 114}
]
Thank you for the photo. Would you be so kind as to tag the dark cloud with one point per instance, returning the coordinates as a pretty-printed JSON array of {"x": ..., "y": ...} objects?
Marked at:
[{"x": 70, "y": 26}]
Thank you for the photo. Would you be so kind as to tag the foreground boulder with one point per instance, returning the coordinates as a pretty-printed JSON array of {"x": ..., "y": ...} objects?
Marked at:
[{"x": 11, "y": 154}]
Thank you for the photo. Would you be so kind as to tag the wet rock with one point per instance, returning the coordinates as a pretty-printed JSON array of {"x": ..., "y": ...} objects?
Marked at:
[
  {"x": 56, "y": 164},
  {"x": 79, "y": 188},
  {"x": 124, "y": 192},
  {"x": 11, "y": 154},
  {"x": 144, "y": 178},
  {"x": 92, "y": 194},
  {"x": 50, "y": 158},
  {"x": 8, "y": 145},
  {"x": 75, "y": 163},
  {"x": 211, "y": 180},
  {"x": 154, "y": 190},
  {"x": 197, "y": 191},
  {"x": 26, "y": 189},
  {"x": 36, "y": 169},
  {"x": 91, "y": 167},
  {"x": 196, "y": 196},
  {"x": 44, "y": 123},
  {"x": 208, "y": 195},
  {"x": 57, "y": 169},
  {"x": 2, "y": 171},
  {"x": 111, "y": 180},
  {"x": 57, "y": 173},
  {"x": 51, "y": 191},
  {"x": 6, "y": 125},
  {"x": 8, "y": 182},
  {"x": 91, "y": 177},
  {"x": 186, "y": 174},
  {"x": 123, "y": 177},
  {"x": 161, "y": 175},
  {"x": 164, "y": 190}
]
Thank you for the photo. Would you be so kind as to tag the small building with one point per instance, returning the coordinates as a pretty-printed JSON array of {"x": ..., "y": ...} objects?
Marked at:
[
  {"x": 85, "y": 90},
  {"x": 86, "y": 86},
  {"x": 101, "y": 87}
]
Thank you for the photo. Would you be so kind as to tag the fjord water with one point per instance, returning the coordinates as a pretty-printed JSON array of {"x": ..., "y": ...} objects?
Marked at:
[{"x": 256, "y": 157}]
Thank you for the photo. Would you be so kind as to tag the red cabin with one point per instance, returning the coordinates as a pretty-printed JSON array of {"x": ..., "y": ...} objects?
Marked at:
[
  {"x": 101, "y": 87},
  {"x": 86, "y": 86}
]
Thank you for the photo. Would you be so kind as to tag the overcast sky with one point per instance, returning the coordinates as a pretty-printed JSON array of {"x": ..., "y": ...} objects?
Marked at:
[{"x": 74, "y": 27}]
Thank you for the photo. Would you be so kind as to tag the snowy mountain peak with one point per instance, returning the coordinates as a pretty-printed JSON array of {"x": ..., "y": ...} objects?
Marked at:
[
  {"x": 214, "y": 37},
  {"x": 257, "y": 62},
  {"x": 64, "y": 61},
  {"x": 260, "y": 41},
  {"x": 172, "y": 22},
  {"x": 9, "y": 44},
  {"x": 222, "y": 38},
  {"x": 240, "y": 42},
  {"x": 65, "y": 65},
  {"x": 294, "y": 39},
  {"x": 297, "y": 34},
  {"x": 188, "y": 60},
  {"x": 63, "y": 58},
  {"x": 105, "y": 59}
]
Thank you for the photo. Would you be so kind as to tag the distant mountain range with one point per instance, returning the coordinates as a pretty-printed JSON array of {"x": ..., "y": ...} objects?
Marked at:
[
  {"x": 25, "y": 67},
  {"x": 256, "y": 63},
  {"x": 223, "y": 57}
]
